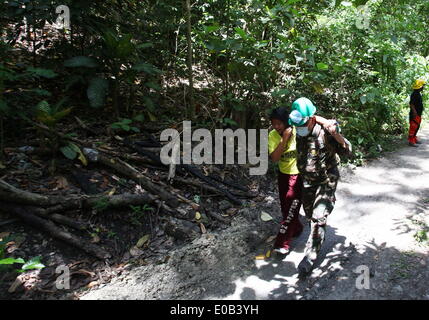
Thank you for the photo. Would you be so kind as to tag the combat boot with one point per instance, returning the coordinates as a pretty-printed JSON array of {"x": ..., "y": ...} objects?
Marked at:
[{"x": 312, "y": 249}]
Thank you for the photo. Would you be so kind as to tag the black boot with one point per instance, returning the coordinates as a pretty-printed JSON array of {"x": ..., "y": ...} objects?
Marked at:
[{"x": 305, "y": 266}]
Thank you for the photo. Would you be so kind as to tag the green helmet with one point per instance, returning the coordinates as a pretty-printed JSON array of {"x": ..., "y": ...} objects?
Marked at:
[{"x": 302, "y": 110}]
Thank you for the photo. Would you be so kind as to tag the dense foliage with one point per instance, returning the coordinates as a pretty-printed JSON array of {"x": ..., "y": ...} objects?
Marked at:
[{"x": 356, "y": 60}]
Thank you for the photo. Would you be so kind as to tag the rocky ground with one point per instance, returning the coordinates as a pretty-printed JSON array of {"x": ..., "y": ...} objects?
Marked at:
[{"x": 379, "y": 226}]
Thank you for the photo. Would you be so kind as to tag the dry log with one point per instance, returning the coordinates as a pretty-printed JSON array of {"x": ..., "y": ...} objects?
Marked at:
[
  {"x": 53, "y": 204},
  {"x": 59, "y": 218},
  {"x": 229, "y": 183},
  {"x": 215, "y": 185},
  {"x": 200, "y": 185},
  {"x": 27, "y": 215},
  {"x": 125, "y": 169},
  {"x": 130, "y": 157},
  {"x": 13, "y": 194},
  {"x": 191, "y": 169}
]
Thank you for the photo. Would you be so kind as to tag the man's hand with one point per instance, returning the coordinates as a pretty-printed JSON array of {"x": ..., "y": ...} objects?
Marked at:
[{"x": 332, "y": 127}]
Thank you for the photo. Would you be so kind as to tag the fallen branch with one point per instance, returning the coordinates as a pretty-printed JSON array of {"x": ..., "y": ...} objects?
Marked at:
[
  {"x": 215, "y": 185},
  {"x": 200, "y": 185},
  {"x": 9, "y": 193},
  {"x": 125, "y": 169},
  {"x": 191, "y": 169},
  {"x": 59, "y": 218},
  {"x": 27, "y": 215}
]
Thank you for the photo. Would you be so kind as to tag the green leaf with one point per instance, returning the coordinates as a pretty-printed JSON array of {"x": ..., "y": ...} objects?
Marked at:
[
  {"x": 322, "y": 66},
  {"x": 81, "y": 157},
  {"x": 74, "y": 147},
  {"x": 126, "y": 121},
  {"x": 44, "y": 73},
  {"x": 338, "y": 68},
  {"x": 151, "y": 116},
  {"x": 80, "y": 61},
  {"x": 43, "y": 106},
  {"x": 33, "y": 263},
  {"x": 11, "y": 261},
  {"x": 125, "y": 47},
  {"x": 212, "y": 28},
  {"x": 139, "y": 117},
  {"x": 230, "y": 122},
  {"x": 261, "y": 44},
  {"x": 68, "y": 152},
  {"x": 97, "y": 91},
  {"x": 241, "y": 33}
]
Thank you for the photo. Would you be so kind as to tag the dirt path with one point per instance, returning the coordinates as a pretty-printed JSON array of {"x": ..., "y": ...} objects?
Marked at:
[{"x": 379, "y": 209}]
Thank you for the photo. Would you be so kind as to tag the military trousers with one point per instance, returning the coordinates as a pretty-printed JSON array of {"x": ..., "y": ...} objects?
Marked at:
[{"x": 318, "y": 201}]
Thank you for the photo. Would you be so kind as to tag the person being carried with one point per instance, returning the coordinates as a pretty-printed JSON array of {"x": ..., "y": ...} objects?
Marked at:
[
  {"x": 282, "y": 149},
  {"x": 416, "y": 111},
  {"x": 318, "y": 148}
]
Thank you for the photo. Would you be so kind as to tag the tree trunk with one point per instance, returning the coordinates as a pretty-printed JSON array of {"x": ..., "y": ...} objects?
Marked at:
[{"x": 191, "y": 110}]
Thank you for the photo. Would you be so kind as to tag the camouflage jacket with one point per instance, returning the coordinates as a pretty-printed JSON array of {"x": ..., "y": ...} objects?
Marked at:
[{"x": 317, "y": 155}]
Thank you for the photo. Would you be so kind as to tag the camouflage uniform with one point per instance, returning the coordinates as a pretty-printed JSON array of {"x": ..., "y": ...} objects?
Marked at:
[{"x": 318, "y": 165}]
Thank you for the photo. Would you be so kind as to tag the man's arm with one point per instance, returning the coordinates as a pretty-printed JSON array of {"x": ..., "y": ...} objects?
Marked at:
[
  {"x": 324, "y": 122},
  {"x": 332, "y": 127}
]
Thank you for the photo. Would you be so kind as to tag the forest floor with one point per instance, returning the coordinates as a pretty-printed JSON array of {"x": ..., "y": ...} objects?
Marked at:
[{"x": 380, "y": 221}]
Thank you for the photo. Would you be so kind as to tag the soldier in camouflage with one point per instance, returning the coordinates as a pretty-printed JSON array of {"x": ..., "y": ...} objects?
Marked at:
[{"x": 318, "y": 148}]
